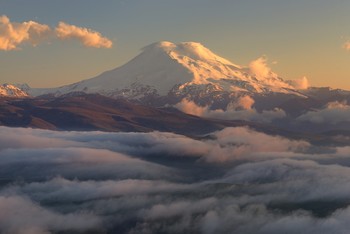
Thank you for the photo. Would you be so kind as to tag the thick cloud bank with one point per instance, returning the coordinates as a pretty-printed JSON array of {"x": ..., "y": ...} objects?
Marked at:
[
  {"x": 235, "y": 180},
  {"x": 332, "y": 113}
]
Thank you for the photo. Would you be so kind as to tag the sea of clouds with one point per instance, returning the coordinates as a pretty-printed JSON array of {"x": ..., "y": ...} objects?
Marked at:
[{"x": 236, "y": 180}]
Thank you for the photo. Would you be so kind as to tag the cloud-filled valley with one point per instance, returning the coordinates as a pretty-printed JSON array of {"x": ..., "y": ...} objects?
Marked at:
[
  {"x": 234, "y": 180},
  {"x": 148, "y": 117}
]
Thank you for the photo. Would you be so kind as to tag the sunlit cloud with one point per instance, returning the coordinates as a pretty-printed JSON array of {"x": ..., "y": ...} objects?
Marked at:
[
  {"x": 302, "y": 83},
  {"x": 346, "y": 46},
  {"x": 241, "y": 109},
  {"x": 13, "y": 34},
  {"x": 88, "y": 37},
  {"x": 259, "y": 68}
]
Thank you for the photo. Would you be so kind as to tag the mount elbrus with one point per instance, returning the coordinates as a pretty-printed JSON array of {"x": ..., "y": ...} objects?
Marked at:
[{"x": 165, "y": 73}]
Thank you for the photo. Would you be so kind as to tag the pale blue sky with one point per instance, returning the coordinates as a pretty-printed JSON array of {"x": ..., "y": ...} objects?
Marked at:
[{"x": 305, "y": 37}]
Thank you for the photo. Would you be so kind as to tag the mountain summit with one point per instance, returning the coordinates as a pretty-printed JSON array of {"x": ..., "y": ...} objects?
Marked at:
[
  {"x": 165, "y": 68},
  {"x": 190, "y": 77}
]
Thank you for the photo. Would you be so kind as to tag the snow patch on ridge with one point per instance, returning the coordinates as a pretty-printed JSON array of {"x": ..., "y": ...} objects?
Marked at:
[{"x": 8, "y": 90}]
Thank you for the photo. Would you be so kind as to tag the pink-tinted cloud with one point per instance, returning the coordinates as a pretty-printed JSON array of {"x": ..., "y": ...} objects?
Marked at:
[
  {"x": 346, "y": 46},
  {"x": 86, "y": 36},
  {"x": 259, "y": 68},
  {"x": 13, "y": 34},
  {"x": 189, "y": 107},
  {"x": 241, "y": 109},
  {"x": 302, "y": 83}
]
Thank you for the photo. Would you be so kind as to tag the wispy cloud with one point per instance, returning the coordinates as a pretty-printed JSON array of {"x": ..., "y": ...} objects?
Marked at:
[
  {"x": 260, "y": 69},
  {"x": 302, "y": 83}
]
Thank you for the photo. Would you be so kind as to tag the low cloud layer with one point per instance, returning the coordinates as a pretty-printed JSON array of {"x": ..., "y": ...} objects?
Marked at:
[
  {"x": 236, "y": 180},
  {"x": 14, "y": 34},
  {"x": 23, "y": 216},
  {"x": 241, "y": 109},
  {"x": 332, "y": 113}
]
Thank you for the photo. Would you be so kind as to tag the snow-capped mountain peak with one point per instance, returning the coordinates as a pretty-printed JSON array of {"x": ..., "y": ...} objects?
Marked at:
[
  {"x": 206, "y": 67},
  {"x": 192, "y": 50},
  {"x": 165, "y": 68},
  {"x": 8, "y": 90}
]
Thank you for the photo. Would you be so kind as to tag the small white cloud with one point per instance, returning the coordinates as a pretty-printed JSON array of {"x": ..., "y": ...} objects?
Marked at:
[{"x": 86, "y": 36}]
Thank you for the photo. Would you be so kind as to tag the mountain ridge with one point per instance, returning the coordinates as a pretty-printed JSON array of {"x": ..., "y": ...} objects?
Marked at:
[
  {"x": 168, "y": 74},
  {"x": 9, "y": 90}
]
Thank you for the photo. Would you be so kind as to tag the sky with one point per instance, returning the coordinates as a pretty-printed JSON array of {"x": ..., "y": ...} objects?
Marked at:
[{"x": 299, "y": 38}]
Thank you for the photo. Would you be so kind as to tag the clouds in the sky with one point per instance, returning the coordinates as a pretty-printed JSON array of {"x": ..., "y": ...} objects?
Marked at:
[
  {"x": 86, "y": 36},
  {"x": 333, "y": 113},
  {"x": 236, "y": 180},
  {"x": 13, "y": 34},
  {"x": 346, "y": 46}
]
